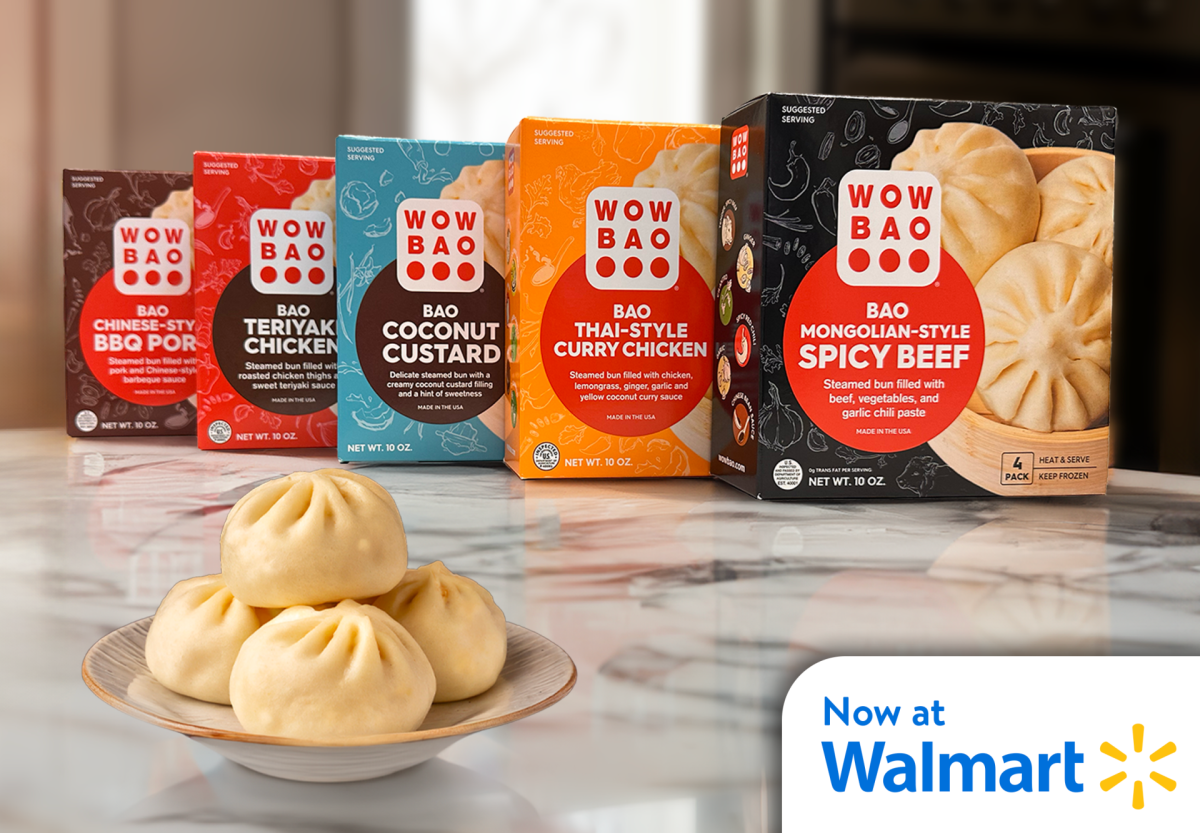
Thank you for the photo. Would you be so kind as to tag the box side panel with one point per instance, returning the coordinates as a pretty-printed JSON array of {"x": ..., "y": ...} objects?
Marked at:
[
  {"x": 740, "y": 268},
  {"x": 514, "y": 277}
]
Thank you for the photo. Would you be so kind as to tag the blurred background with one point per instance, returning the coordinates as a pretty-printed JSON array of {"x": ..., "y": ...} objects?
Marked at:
[{"x": 142, "y": 83}]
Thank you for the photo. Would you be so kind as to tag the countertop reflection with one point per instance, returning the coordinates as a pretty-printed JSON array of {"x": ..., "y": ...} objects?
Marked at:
[{"x": 687, "y": 607}]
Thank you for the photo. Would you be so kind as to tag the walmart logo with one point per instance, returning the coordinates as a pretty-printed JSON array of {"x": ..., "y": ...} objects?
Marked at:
[
  {"x": 931, "y": 770},
  {"x": 994, "y": 744},
  {"x": 1013, "y": 772},
  {"x": 1139, "y": 799}
]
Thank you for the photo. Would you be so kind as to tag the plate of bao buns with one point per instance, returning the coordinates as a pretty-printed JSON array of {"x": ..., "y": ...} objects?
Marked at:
[{"x": 317, "y": 654}]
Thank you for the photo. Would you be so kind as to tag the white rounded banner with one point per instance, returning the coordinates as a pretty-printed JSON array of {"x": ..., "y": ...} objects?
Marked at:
[{"x": 986, "y": 743}]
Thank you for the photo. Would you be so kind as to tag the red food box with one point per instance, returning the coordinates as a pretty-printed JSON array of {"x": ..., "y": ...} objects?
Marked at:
[{"x": 266, "y": 304}]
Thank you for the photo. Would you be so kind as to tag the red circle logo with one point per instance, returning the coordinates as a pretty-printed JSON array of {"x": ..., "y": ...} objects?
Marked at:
[
  {"x": 628, "y": 362},
  {"x": 139, "y": 347},
  {"x": 883, "y": 368}
]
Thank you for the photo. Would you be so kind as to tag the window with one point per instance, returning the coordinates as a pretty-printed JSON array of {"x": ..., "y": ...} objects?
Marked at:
[{"x": 480, "y": 66}]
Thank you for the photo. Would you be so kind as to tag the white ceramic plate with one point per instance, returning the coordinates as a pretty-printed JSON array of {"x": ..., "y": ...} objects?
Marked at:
[{"x": 536, "y": 674}]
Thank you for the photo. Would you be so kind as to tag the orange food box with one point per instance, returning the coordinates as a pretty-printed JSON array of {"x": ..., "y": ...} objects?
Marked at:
[{"x": 610, "y": 232}]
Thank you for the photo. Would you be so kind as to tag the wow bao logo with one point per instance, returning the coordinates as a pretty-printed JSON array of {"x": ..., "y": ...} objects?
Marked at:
[
  {"x": 936, "y": 743},
  {"x": 632, "y": 238},
  {"x": 152, "y": 256},
  {"x": 440, "y": 245},
  {"x": 889, "y": 228},
  {"x": 291, "y": 252}
]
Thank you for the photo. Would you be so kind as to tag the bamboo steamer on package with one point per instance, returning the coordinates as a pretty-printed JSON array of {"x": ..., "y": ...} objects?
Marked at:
[{"x": 1011, "y": 459}]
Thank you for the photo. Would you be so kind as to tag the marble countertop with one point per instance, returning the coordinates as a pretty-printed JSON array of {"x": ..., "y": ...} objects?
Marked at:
[{"x": 688, "y": 608}]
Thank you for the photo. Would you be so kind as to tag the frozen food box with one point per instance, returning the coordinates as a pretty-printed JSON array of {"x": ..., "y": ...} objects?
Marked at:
[
  {"x": 130, "y": 340},
  {"x": 421, "y": 300},
  {"x": 610, "y": 231},
  {"x": 266, "y": 317},
  {"x": 915, "y": 298}
]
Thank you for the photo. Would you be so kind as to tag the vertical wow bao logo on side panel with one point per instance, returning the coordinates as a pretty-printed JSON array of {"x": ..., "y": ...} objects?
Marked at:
[
  {"x": 627, "y": 328},
  {"x": 739, "y": 152}
]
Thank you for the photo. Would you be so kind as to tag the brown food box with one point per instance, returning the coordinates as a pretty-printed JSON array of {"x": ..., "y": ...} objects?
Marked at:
[
  {"x": 266, "y": 303},
  {"x": 914, "y": 298},
  {"x": 127, "y": 302},
  {"x": 609, "y": 231}
]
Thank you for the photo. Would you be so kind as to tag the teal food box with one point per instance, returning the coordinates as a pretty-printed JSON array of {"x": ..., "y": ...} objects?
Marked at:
[{"x": 420, "y": 300}]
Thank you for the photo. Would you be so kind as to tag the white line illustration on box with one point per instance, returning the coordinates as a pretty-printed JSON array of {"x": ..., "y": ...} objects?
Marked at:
[
  {"x": 425, "y": 173},
  {"x": 461, "y": 438},
  {"x": 796, "y": 184},
  {"x": 358, "y": 200},
  {"x": 371, "y": 416},
  {"x": 380, "y": 229},
  {"x": 361, "y": 275}
]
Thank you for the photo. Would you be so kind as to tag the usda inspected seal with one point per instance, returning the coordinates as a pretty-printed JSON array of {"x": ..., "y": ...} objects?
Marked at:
[
  {"x": 86, "y": 421},
  {"x": 788, "y": 474},
  {"x": 219, "y": 431},
  {"x": 545, "y": 456}
]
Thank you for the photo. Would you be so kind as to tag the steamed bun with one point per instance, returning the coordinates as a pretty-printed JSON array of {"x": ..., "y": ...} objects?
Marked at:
[
  {"x": 1047, "y": 313},
  {"x": 690, "y": 171},
  {"x": 456, "y": 623},
  {"x": 342, "y": 672},
  {"x": 179, "y": 206},
  {"x": 320, "y": 196},
  {"x": 1077, "y": 205},
  {"x": 196, "y": 635},
  {"x": 311, "y": 538},
  {"x": 484, "y": 185},
  {"x": 990, "y": 199}
]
